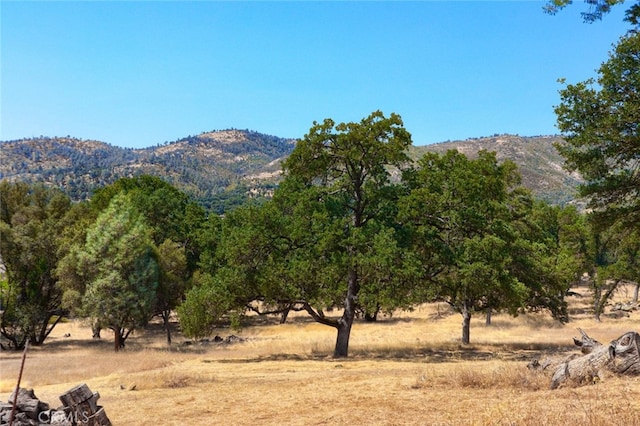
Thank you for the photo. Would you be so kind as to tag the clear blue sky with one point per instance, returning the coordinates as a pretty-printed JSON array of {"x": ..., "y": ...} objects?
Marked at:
[{"x": 136, "y": 74}]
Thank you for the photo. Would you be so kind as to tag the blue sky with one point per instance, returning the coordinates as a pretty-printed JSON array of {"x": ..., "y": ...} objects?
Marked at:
[{"x": 136, "y": 74}]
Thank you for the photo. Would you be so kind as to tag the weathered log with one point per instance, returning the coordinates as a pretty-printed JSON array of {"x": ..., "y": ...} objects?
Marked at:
[
  {"x": 621, "y": 356},
  {"x": 626, "y": 354},
  {"x": 84, "y": 406},
  {"x": 587, "y": 344},
  {"x": 76, "y": 395},
  {"x": 626, "y": 307},
  {"x": 99, "y": 418},
  {"x": 61, "y": 418}
]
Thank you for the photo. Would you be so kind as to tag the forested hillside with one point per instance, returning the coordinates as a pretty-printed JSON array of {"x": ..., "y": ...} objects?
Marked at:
[
  {"x": 220, "y": 169},
  {"x": 217, "y": 168}
]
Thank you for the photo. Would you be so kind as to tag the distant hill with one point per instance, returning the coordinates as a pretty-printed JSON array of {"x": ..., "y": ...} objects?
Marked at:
[
  {"x": 539, "y": 163},
  {"x": 217, "y": 168},
  {"x": 223, "y": 168}
]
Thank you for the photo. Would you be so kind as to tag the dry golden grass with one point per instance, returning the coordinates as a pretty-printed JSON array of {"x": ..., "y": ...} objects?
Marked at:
[{"x": 405, "y": 370}]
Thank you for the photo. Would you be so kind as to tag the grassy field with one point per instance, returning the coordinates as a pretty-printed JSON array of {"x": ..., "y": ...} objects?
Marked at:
[{"x": 405, "y": 370}]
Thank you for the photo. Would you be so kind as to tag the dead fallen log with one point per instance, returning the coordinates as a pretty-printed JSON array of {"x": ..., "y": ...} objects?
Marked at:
[{"x": 621, "y": 356}]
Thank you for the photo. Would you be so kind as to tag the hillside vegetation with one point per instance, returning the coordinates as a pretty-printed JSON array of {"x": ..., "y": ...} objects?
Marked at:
[
  {"x": 213, "y": 167},
  {"x": 220, "y": 169}
]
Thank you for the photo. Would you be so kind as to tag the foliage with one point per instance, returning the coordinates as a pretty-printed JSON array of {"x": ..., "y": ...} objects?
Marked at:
[
  {"x": 119, "y": 264},
  {"x": 600, "y": 124},
  {"x": 614, "y": 259},
  {"x": 551, "y": 255},
  {"x": 162, "y": 204},
  {"x": 204, "y": 305},
  {"x": 174, "y": 221},
  {"x": 329, "y": 219},
  {"x": 472, "y": 227},
  {"x": 172, "y": 283},
  {"x": 347, "y": 166},
  {"x": 596, "y": 9},
  {"x": 31, "y": 222},
  {"x": 459, "y": 219},
  {"x": 171, "y": 214},
  {"x": 539, "y": 162},
  {"x": 599, "y": 119}
]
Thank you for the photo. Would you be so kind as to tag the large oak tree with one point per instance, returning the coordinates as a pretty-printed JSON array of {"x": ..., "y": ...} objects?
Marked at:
[
  {"x": 326, "y": 240},
  {"x": 348, "y": 166}
]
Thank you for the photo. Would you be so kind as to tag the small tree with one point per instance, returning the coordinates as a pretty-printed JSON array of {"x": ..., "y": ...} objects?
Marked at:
[
  {"x": 615, "y": 259},
  {"x": 119, "y": 263},
  {"x": 552, "y": 256},
  {"x": 204, "y": 306}
]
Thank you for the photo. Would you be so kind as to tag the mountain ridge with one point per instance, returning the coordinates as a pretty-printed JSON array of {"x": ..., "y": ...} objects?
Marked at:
[{"x": 221, "y": 168}]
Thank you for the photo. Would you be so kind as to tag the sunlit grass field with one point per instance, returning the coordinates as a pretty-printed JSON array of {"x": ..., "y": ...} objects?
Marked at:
[{"x": 409, "y": 369}]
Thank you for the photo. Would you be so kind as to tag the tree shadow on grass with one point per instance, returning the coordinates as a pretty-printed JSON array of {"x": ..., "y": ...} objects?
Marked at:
[
  {"x": 303, "y": 318},
  {"x": 514, "y": 351},
  {"x": 519, "y": 352}
]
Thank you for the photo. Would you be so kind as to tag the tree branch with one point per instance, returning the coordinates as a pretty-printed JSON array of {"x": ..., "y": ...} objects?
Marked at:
[
  {"x": 286, "y": 306},
  {"x": 318, "y": 317}
]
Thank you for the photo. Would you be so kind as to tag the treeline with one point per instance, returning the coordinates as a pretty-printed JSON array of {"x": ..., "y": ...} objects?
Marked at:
[{"x": 338, "y": 232}]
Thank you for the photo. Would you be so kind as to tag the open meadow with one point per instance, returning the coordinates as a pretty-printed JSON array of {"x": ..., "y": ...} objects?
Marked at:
[{"x": 404, "y": 370}]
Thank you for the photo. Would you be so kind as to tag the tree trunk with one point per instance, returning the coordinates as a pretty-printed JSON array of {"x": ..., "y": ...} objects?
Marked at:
[
  {"x": 117, "y": 337},
  {"x": 602, "y": 299},
  {"x": 621, "y": 356},
  {"x": 342, "y": 341},
  {"x": 635, "y": 293},
  {"x": 466, "y": 323},
  {"x": 596, "y": 316},
  {"x": 488, "y": 318},
  {"x": 597, "y": 295},
  {"x": 39, "y": 333},
  {"x": 344, "y": 324},
  {"x": 16, "y": 343},
  {"x": 165, "y": 319},
  {"x": 372, "y": 316},
  {"x": 95, "y": 330},
  {"x": 284, "y": 314}
]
